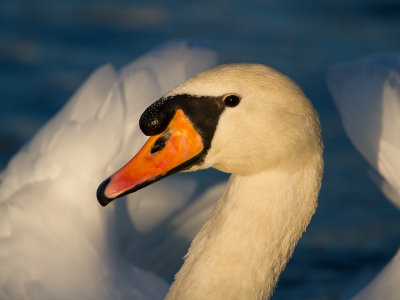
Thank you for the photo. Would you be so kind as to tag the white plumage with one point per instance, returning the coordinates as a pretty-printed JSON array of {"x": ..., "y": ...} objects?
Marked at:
[
  {"x": 56, "y": 242},
  {"x": 367, "y": 95},
  {"x": 271, "y": 144}
]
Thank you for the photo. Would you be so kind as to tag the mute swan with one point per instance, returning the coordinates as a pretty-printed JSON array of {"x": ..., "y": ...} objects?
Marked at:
[
  {"x": 55, "y": 241},
  {"x": 367, "y": 94},
  {"x": 254, "y": 122}
]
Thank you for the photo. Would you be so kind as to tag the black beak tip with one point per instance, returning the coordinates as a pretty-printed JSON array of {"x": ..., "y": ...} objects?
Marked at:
[{"x": 101, "y": 197}]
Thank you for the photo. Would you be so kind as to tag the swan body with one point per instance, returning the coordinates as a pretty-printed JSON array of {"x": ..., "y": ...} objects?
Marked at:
[
  {"x": 254, "y": 122},
  {"x": 367, "y": 94},
  {"x": 56, "y": 242}
]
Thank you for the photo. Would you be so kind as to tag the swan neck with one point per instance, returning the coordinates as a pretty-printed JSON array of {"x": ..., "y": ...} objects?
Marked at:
[{"x": 245, "y": 244}]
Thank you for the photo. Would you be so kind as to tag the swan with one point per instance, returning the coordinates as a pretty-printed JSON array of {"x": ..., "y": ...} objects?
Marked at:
[
  {"x": 256, "y": 123},
  {"x": 367, "y": 94},
  {"x": 55, "y": 241}
]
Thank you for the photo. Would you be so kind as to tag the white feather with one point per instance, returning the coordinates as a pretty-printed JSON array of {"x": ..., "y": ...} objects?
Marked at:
[
  {"x": 56, "y": 242},
  {"x": 367, "y": 95}
]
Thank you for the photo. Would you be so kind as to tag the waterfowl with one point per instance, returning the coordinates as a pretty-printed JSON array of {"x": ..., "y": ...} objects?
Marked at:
[{"x": 256, "y": 123}]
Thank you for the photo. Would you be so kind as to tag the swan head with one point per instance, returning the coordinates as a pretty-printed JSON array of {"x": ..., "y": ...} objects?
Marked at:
[{"x": 238, "y": 118}]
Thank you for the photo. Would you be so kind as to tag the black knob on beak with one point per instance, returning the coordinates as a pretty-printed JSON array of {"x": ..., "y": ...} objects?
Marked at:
[{"x": 156, "y": 117}]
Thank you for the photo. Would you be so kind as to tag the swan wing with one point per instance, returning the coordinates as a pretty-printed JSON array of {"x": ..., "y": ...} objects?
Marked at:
[
  {"x": 56, "y": 242},
  {"x": 367, "y": 95}
]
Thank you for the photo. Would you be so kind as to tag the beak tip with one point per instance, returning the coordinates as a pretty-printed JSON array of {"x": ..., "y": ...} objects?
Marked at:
[{"x": 101, "y": 196}]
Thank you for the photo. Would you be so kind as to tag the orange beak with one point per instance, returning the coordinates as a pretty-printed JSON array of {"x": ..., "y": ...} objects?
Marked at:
[{"x": 164, "y": 154}]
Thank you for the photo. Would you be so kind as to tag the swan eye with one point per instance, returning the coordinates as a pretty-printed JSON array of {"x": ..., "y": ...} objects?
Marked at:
[{"x": 231, "y": 100}]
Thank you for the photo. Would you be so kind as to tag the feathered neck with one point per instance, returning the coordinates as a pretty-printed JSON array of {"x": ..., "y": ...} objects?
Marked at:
[{"x": 245, "y": 244}]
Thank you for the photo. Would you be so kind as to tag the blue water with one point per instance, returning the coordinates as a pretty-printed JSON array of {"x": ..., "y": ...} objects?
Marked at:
[{"x": 47, "y": 49}]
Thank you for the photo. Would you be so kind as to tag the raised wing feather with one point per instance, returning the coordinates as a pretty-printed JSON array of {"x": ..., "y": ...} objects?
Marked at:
[
  {"x": 367, "y": 95},
  {"x": 56, "y": 242}
]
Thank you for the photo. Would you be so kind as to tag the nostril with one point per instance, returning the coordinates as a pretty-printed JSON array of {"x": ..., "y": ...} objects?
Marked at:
[{"x": 160, "y": 143}]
